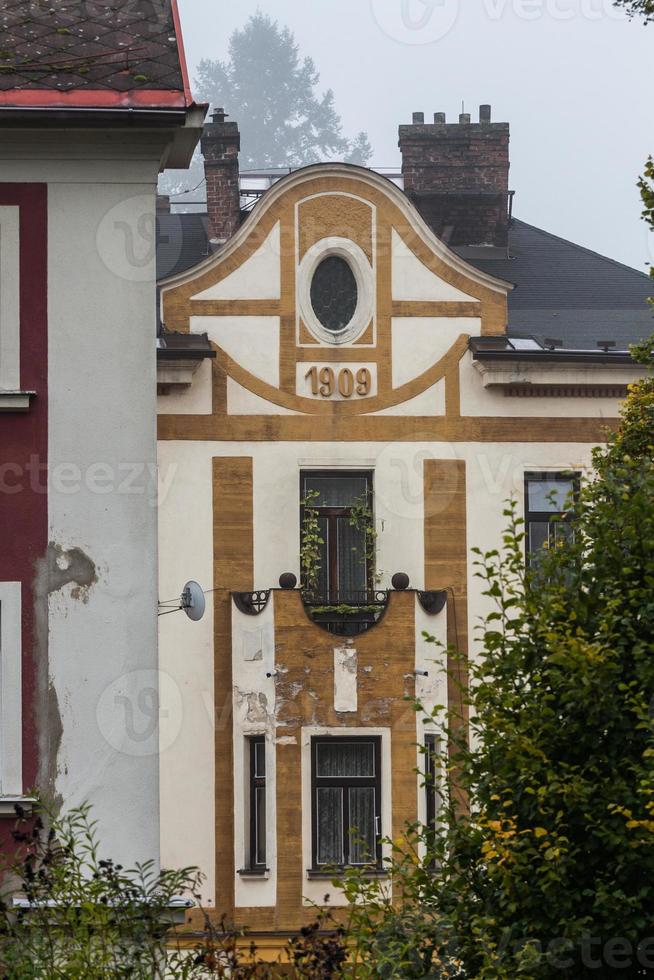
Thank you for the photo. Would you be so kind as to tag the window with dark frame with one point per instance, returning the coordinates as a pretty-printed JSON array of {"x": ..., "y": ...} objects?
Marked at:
[
  {"x": 346, "y": 572},
  {"x": 346, "y": 810},
  {"x": 432, "y": 796},
  {"x": 257, "y": 802},
  {"x": 548, "y": 519}
]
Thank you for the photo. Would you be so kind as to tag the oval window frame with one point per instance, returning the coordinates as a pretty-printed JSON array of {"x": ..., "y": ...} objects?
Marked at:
[{"x": 358, "y": 262}]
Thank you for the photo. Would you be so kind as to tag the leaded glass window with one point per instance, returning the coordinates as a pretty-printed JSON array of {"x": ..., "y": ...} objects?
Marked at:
[{"x": 334, "y": 293}]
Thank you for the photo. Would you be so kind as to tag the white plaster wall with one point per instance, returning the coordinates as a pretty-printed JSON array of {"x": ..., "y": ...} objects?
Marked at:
[
  {"x": 418, "y": 342},
  {"x": 252, "y": 341},
  {"x": 254, "y": 714},
  {"x": 186, "y": 656},
  {"x": 257, "y": 278},
  {"x": 492, "y": 402},
  {"x": 102, "y": 633},
  {"x": 412, "y": 280},
  {"x": 196, "y": 399}
]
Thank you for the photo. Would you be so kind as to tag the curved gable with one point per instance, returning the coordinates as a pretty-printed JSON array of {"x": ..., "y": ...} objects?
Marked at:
[{"x": 409, "y": 302}]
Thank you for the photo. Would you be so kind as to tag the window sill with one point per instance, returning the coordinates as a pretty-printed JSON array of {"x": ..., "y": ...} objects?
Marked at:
[
  {"x": 8, "y": 806},
  {"x": 15, "y": 401},
  {"x": 317, "y": 874},
  {"x": 258, "y": 874}
]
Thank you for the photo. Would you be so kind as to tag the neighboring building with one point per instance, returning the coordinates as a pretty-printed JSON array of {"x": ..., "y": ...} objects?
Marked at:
[
  {"x": 94, "y": 103},
  {"x": 358, "y": 362}
]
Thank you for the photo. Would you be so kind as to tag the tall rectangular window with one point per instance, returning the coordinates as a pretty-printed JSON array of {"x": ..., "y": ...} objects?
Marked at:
[
  {"x": 11, "y": 695},
  {"x": 346, "y": 788},
  {"x": 257, "y": 803},
  {"x": 547, "y": 510},
  {"x": 431, "y": 789},
  {"x": 340, "y": 499},
  {"x": 9, "y": 298}
]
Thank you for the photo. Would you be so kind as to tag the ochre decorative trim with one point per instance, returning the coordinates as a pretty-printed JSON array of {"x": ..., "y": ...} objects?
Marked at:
[
  {"x": 233, "y": 540},
  {"x": 446, "y": 563}
]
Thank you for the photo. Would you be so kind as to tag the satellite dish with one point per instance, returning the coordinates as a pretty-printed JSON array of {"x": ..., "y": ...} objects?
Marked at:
[{"x": 193, "y": 601}]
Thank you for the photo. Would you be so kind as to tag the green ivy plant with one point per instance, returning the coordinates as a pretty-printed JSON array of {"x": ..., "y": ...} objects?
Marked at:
[{"x": 311, "y": 542}]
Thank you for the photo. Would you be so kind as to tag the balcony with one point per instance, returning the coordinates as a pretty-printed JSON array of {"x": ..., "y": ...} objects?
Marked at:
[{"x": 346, "y": 613}]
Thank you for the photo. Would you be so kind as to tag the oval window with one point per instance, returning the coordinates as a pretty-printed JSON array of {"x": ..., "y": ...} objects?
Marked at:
[{"x": 334, "y": 293}]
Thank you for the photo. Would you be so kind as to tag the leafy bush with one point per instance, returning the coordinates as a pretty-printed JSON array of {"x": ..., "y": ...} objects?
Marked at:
[
  {"x": 82, "y": 916},
  {"x": 550, "y": 873}
]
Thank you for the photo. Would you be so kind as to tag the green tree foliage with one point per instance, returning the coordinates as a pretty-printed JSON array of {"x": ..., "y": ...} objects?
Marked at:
[
  {"x": 551, "y": 873},
  {"x": 271, "y": 91},
  {"x": 638, "y": 8}
]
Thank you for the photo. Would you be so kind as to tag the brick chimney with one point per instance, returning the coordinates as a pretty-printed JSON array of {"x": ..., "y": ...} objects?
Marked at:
[
  {"x": 221, "y": 142},
  {"x": 457, "y": 175}
]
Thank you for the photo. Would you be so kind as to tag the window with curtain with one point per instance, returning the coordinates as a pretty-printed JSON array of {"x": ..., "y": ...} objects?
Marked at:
[
  {"x": 548, "y": 497},
  {"x": 345, "y": 570},
  {"x": 346, "y": 784}
]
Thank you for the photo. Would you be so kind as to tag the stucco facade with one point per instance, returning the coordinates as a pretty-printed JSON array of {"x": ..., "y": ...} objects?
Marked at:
[{"x": 400, "y": 394}]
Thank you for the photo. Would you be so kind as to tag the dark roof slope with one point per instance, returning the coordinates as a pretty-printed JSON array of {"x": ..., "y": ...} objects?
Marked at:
[
  {"x": 562, "y": 290},
  {"x": 567, "y": 292},
  {"x": 72, "y": 52},
  {"x": 182, "y": 242}
]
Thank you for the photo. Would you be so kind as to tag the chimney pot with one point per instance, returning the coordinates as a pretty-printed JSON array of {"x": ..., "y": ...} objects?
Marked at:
[
  {"x": 458, "y": 177},
  {"x": 418, "y": 118},
  {"x": 484, "y": 113},
  {"x": 219, "y": 116}
]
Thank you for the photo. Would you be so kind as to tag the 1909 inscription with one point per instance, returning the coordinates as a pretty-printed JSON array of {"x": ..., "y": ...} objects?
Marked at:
[{"x": 328, "y": 383}]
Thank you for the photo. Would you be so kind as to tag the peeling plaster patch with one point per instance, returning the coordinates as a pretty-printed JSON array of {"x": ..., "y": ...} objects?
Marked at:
[
  {"x": 286, "y": 740},
  {"x": 378, "y": 709},
  {"x": 367, "y": 670},
  {"x": 257, "y": 706},
  {"x": 71, "y": 567},
  {"x": 345, "y": 679}
]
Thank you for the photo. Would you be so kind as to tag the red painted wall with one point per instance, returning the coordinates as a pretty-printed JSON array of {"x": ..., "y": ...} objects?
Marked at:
[{"x": 24, "y": 449}]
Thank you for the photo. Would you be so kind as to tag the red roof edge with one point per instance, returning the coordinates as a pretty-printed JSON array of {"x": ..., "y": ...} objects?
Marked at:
[
  {"x": 98, "y": 98},
  {"x": 182, "y": 52}
]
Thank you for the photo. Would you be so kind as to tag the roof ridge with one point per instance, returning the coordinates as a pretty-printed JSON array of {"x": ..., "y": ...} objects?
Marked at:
[{"x": 583, "y": 248}]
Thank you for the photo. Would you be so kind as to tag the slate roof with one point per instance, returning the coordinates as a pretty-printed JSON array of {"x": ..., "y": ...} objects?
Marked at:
[
  {"x": 91, "y": 52},
  {"x": 563, "y": 291},
  {"x": 570, "y": 293}
]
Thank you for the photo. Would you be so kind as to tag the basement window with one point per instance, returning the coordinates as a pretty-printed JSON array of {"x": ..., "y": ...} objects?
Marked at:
[
  {"x": 346, "y": 809},
  {"x": 548, "y": 518}
]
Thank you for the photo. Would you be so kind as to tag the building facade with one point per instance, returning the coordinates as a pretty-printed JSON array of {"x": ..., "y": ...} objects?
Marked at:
[
  {"x": 84, "y": 135},
  {"x": 355, "y": 398}
]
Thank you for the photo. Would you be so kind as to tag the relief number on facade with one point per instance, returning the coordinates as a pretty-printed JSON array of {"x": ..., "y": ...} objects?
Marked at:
[{"x": 330, "y": 382}]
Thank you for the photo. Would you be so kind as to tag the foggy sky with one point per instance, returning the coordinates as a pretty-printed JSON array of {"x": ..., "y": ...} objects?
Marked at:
[{"x": 571, "y": 76}]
